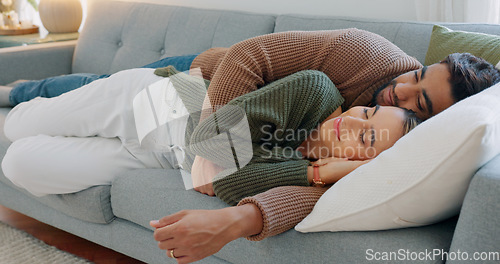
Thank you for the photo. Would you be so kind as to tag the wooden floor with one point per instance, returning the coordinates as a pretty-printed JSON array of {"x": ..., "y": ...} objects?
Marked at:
[{"x": 64, "y": 240}]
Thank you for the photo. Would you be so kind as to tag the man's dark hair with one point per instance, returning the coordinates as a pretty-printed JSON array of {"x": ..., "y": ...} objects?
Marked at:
[{"x": 469, "y": 74}]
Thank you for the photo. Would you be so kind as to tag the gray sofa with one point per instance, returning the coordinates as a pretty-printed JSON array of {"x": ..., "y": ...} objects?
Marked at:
[{"x": 121, "y": 35}]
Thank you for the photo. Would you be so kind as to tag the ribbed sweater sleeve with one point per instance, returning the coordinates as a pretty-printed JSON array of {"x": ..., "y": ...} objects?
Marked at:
[
  {"x": 283, "y": 207},
  {"x": 208, "y": 61},
  {"x": 358, "y": 62},
  {"x": 287, "y": 109}
]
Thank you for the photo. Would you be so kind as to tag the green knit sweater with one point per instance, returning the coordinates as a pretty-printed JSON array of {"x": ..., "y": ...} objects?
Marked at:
[{"x": 288, "y": 109}]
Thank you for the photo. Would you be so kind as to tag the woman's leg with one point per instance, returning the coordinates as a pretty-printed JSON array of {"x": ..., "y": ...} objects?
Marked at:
[
  {"x": 54, "y": 165},
  {"x": 102, "y": 108}
]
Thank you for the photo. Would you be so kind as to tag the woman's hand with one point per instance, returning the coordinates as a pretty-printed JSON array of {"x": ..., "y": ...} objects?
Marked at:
[
  {"x": 203, "y": 173},
  {"x": 333, "y": 169},
  {"x": 197, "y": 234},
  {"x": 325, "y": 161}
]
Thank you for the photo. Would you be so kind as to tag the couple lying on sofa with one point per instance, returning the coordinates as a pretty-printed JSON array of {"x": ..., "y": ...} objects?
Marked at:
[{"x": 77, "y": 138}]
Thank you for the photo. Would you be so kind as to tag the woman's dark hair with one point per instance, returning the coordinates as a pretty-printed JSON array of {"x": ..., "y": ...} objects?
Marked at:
[{"x": 470, "y": 74}]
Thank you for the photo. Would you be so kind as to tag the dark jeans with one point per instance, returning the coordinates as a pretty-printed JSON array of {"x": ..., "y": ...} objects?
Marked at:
[{"x": 54, "y": 86}]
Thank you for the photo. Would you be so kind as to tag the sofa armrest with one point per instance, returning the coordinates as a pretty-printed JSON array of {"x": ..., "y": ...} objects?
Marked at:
[
  {"x": 478, "y": 228},
  {"x": 35, "y": 62}
]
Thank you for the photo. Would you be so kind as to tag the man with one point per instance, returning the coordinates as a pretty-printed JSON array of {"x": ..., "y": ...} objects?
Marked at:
[
  {"x": 427, "y": 92},
  {"x": 356, "y": 61}
]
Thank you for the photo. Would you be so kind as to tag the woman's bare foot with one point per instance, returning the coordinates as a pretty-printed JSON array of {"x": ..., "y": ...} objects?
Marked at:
[
  {"x": 5, "y": 93},
  {"x": 12, "y": 84},
  {"x": 4, "y": 96}
]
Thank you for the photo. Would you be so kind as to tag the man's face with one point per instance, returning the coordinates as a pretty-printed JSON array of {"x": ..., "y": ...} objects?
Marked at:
[{"x": 426, "y": 91}]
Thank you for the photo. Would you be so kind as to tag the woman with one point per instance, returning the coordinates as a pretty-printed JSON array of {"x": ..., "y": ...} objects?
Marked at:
[
  {"x": 293, "y": 121},
  {"x": 91, "y": 133}
]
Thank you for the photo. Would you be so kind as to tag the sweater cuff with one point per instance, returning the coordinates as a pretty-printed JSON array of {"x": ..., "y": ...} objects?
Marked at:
[
  {"x": 265, "y": 222},
  {"x": 282, "y": 208}
]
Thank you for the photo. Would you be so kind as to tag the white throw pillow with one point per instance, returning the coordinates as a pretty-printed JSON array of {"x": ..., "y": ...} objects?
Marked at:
[{"x": 422, "y": 179}]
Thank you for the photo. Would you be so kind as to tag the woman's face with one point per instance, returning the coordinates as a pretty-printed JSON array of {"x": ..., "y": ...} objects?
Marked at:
[{"x": 362, "y": 132}]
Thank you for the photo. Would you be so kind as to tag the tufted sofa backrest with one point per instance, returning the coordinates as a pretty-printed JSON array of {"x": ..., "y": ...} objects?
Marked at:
[
  {"x": 412, "y": 37},
  {"x": 121, "y": 35}
]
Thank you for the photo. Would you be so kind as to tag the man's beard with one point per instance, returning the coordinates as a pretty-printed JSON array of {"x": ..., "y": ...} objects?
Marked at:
[{"x": 377, "y": 92}]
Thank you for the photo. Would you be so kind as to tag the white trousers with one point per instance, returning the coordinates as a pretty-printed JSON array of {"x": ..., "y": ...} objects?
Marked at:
[{"x": 82, "y": 138}]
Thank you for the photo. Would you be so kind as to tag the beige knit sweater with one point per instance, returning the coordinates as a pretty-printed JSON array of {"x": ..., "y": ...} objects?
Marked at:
[
  {"x": 358, "y": 62},
  {"x": 283, "y": 207}
]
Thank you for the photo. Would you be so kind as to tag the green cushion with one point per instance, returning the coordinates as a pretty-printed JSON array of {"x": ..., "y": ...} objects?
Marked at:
[{"x": 445, "y": 41}]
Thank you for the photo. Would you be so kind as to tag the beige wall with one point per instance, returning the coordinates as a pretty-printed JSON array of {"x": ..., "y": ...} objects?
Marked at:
[{"x": 382, "y": 9}]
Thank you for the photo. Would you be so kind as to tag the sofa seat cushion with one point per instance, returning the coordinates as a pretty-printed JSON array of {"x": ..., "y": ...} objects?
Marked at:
[
  {"x": 92, "y": 205},
  {"x": 143, "y": 195},
  {"x": 148, "y": 194}
]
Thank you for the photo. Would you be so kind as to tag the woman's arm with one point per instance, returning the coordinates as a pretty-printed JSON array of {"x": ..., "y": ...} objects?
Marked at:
[
  {"x": 295, "y": 105},
  {"x": 260, "y": 176}
]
